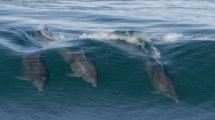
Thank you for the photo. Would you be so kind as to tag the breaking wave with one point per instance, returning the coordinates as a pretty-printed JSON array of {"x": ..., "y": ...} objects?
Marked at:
[
  {"x": 143, "y": 41},
  {"x": 42, "y": 37}
]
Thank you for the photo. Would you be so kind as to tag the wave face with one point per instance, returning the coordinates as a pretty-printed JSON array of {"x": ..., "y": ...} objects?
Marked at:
[{"x": 116, "y": 35}]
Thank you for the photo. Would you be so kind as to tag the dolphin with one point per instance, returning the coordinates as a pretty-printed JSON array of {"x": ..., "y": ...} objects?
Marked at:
[
  {"x": 80, "y": 65},
  {"x": 35, "y": 70},
  {"x": 160, "y": 80}
]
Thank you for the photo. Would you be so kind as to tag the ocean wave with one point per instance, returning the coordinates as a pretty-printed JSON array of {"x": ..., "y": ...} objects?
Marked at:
[
  {"x": 41, "y": 37},
  {"x": 172, "y": 37},
  {"x": 46, "y": 33},
  {"x": 13, "y": 46},
  {"x": 38, "y": 38},
  {"x": 141, "y": 40},
  {"x": 134, "y": 37}
]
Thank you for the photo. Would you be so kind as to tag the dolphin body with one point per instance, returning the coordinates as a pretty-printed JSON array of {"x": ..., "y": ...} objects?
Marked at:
[
  {"x": 35, "y": 70},
  {"x": 160, "y": 81},
  {"x": 80, "y": 65}
]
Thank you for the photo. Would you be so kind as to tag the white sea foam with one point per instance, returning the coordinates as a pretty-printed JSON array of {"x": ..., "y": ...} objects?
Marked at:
[
  {"x": 155, "y": 53},
  {"x": 135, "y": 38},
  {"x": 172, "y": 37}
]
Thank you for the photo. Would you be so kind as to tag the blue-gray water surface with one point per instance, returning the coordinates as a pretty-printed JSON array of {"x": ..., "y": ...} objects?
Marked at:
[{"x": 181, "y": 34}]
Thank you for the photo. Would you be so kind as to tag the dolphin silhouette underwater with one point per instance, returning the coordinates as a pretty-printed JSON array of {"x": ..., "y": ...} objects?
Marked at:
[
  {"x": 160, "y": 80},
  {"x": 35, "y": 70},
  {"x": 80, "y": 65},
  {"x": 83, "y": 68},
  {"x": 158, "y": 76},
  {"x": 78, "y": 62}
]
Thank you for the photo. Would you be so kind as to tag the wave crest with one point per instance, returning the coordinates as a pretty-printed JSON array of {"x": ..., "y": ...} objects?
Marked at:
[
  {"x": 172, "y": 37},
  {"x": 144, "y": 41},
  {"x": 45, "y": 32}
]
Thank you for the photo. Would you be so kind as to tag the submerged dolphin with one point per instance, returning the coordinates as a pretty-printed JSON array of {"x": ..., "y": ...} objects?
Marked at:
[
  {"x": 80, "y": 65},
  {"x": 147, "y": 52},
  {"x": 35, "y": 70},
  {"x": 160, "y": 81}
]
